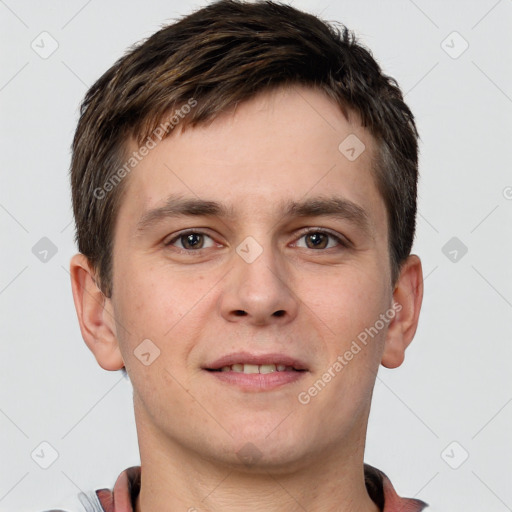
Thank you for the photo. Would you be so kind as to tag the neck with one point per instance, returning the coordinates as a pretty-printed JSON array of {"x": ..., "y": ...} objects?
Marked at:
[{"x": 177, "y": 478}]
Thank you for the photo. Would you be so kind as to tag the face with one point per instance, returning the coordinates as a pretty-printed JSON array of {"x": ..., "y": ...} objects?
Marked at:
[{"x": 252, "y": 253}]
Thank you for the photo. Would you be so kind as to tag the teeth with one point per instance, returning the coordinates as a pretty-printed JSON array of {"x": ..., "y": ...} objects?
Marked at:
[
  {"x": 254, "y": 368},
  {"x": 251, "y": 368}
]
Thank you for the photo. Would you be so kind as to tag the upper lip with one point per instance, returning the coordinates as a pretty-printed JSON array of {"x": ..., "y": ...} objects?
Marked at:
[{"x": 259, "y": 359}]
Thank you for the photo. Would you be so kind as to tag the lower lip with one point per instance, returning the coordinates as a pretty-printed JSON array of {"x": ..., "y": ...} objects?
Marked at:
[{"x": 258, "y": 381}]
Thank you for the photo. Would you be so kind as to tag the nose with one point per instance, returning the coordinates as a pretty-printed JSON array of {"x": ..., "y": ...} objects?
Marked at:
[{"x": 259, "y": 291}]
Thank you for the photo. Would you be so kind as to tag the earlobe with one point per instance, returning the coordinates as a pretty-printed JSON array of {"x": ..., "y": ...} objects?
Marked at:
[
  {"x": 407, "y": 296},
  {"x": 95, "y": 315}
]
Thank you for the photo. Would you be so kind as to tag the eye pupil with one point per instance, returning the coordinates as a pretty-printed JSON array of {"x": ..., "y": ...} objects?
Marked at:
[
  {"x": 317, "y": 239},
  {"x": 192, "y": 240}
]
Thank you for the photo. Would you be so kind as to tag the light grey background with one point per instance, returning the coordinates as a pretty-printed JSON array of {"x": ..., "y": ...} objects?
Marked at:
[{"x": 455, "y": 384}]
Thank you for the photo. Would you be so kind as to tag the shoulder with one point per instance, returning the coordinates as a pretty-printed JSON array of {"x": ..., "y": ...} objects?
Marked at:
[
  {"x": 81, "y": 502},
  {"x": 125, "y": 490},
  {"x": 383, "y": 494}
]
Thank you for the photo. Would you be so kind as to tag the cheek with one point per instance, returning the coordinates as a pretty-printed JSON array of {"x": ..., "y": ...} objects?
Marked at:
[
  {"x": 350, "y": 317},
  {"x": 144, "y": 310},
  {"x": 354, "y": 344},
  {"x": 162, "y": 306},
  {"x": 347, "y": 302},
  {"x": 150, "y": 311},
  {"x": 149, "y": 302}
]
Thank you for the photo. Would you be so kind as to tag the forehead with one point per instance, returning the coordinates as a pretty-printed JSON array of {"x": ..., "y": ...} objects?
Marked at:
[{"x": 280, "y": 146}]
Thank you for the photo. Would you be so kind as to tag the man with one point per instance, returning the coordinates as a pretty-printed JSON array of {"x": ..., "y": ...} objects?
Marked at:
[{"x": 244, "y": 190}]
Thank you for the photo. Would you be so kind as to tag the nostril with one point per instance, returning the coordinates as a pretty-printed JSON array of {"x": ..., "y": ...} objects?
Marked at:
[
  {"x": 239, "y": 312},
  {"x": 281, "y": 312}
]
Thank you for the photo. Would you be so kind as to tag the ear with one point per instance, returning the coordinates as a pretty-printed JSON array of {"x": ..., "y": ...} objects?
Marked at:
[
  {"x": 95, "y": 315},
  {"x": 407, "y": 296}
]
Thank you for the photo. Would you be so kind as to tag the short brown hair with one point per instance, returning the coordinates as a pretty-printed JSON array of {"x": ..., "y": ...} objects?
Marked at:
[{"x": 219, "y": 56}]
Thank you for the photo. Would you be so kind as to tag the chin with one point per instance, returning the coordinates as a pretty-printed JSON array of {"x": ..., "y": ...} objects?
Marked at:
[{"x": 263, "y": 449}]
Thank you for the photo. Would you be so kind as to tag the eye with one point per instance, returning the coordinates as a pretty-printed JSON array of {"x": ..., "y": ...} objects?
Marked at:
[
  {"x": 191, "y": 240},
  {"x": 318, "y": 239}
]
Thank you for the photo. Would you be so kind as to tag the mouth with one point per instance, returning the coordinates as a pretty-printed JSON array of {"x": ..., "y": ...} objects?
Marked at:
[
  {"x": 252, "y": 372},
  {"x": 248, "y": 368},
  {"x": 245, "y": 362}
]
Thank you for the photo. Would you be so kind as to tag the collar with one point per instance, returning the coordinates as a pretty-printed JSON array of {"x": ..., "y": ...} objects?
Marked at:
[{"x": 127, "y": 487}]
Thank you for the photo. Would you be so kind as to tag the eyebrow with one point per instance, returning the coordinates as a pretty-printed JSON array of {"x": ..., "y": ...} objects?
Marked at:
[
  {"x": 337, "y": 207},
  {"x": 177, "y": 206}
]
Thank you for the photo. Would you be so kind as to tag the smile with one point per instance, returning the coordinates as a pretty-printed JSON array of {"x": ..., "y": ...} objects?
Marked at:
[
  {"x": 257, "y": 372},
  {"x": 255, "y": 368}
]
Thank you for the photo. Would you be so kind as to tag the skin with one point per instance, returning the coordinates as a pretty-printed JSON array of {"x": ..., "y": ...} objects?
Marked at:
[{"x": 280, "y": 146}]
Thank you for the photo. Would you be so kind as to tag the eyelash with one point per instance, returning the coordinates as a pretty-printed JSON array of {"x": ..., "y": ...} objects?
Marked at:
[{"x": 343, "y": 242}]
